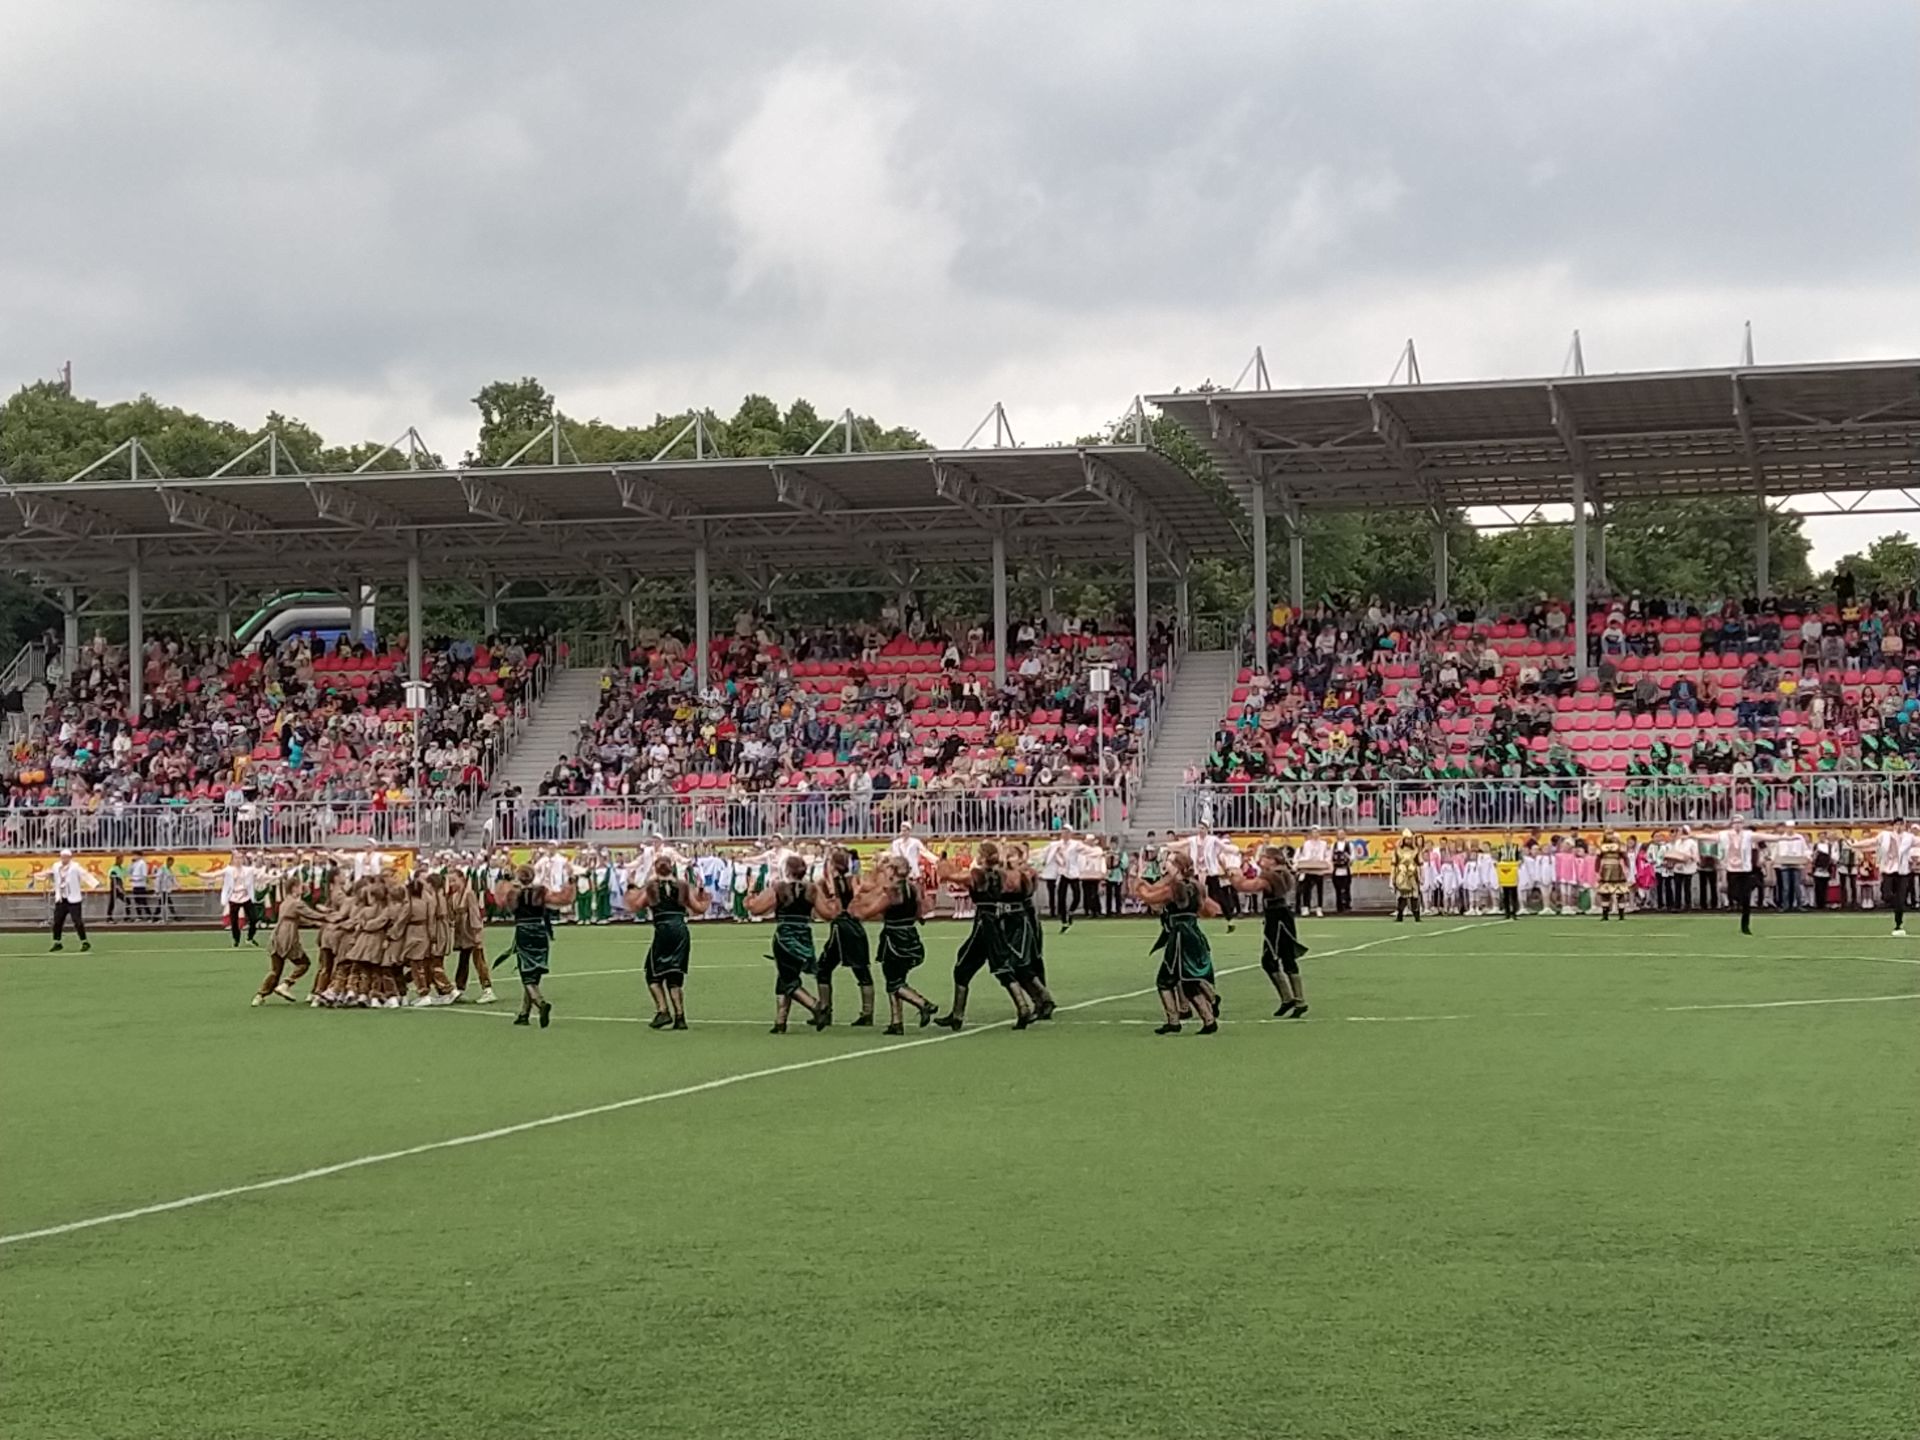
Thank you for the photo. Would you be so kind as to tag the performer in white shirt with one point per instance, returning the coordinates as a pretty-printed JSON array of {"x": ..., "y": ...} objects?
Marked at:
[
  {"x": 1086, "y": 868},
  {"x": 237, "y": 882},
  {"x": 1894, "y": 847},
  {"x": 1050, "y": 865},
  {"x": 1213, "y": 855},
  {"x": 1682, "y": 857},
  {"x": 1791, "y": 856},
  {"x": 1737, "y": 863},
  {"x": 1313, "y": 864},
  {"x": 922, "y": 864},
  {"x": 71, "y": 881}
]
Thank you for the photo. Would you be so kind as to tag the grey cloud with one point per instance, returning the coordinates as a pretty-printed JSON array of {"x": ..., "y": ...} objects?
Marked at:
[{"x": 310, "y": 196}]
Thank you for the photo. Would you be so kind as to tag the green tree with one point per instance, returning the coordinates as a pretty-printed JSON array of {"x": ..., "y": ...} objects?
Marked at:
[{"x": 1890, "y": 565}]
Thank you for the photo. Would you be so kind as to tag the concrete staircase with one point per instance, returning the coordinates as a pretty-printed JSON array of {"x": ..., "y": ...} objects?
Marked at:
[
  {"x": 1202, "y": 687},
  {"x": 571, "y": 699}
]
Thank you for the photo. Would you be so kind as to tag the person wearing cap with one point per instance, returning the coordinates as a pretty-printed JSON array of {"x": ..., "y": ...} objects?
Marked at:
[
  {"x": 1893, "y": 847},
  {"x": 71, "y": 881}
]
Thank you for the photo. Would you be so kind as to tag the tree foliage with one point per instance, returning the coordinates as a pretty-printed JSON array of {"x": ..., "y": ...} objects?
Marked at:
[{"x": 1890, "y": 565}]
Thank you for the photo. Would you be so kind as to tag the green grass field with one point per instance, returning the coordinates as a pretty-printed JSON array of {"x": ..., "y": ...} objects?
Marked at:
[{"x": 1535, "y": 1180}]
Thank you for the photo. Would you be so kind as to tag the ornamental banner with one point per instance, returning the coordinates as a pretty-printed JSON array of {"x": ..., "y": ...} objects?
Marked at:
[{"x": 193, "y": 870}]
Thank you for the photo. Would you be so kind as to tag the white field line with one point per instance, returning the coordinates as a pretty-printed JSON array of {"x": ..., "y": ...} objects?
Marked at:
[{"x": 361, "y": 1162}]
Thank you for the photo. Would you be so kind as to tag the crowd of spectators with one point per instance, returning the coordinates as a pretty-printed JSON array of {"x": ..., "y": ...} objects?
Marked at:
[
  {"x": 861, "y": 711},
  {"x": 220, "y": 728},
  {"x": 1777, "y": 703}
]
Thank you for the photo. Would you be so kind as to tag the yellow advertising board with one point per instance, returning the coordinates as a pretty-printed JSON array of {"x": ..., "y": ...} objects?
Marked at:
[{"x": 193, "y": 870}]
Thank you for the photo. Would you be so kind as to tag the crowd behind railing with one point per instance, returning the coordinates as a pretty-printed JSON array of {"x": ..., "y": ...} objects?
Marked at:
[
  {"x": 1376, "y": 699},
  {"x": 222, "y": 730},
  {"x": 842, "y": 722}
]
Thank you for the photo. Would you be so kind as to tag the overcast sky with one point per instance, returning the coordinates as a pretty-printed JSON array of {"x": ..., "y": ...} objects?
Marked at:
[{"x": 360, "y": 212}]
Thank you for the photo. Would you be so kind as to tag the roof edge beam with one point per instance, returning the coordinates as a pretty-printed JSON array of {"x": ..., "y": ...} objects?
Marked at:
[{"x": 1125, "y": 499}]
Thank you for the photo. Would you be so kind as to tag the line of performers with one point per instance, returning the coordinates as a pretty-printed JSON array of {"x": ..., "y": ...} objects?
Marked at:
[
  {"x": 384, "y": 941},
  {"x": 1004, "y": 938}
]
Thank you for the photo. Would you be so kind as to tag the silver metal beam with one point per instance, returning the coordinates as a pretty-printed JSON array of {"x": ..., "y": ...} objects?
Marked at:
[
  {"x": 136, "y": 641},
  {"x": 1141, "y": 629},
  {"x": 1262, "y": 601},
  {"x": 999, "y": 611},
  {"x": 416, "y": 643},
  {"x": 1579, "y": 575},
  {"x": 1126, "y": 501},
  {"x": 702, "y": 618},
  {"x": 348, "y": 507}
]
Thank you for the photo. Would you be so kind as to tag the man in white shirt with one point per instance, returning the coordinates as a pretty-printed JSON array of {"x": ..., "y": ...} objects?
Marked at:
[
  {"x": 1051, "y": 864},
  {"x": 1086, "y": 867},
  {"x": 1792, "y": 853},
  {"x": 913, "y": 850},
  {"x": 1313, "y": 864},
  {"x": 1893, "y": 847},
  {"x": 237, "y": 881},
  {"x": 71, "y": 881},
  {"x": 140, "y": 888},
  {"x": 1683, "y": 860},
  {"x": 1737, "y": 843}
]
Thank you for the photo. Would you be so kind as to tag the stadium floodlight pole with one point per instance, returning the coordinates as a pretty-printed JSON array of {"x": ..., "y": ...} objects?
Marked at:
[
  {"x": 999, "y": 611},
  {"x": 136, "y": 638},
  {"x": 702, "y": 616}
]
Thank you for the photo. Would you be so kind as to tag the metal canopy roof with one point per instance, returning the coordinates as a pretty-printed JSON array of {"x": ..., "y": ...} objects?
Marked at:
[
  {"x": 1772, "y": 431},
  {"x": 875, "y": 511}
]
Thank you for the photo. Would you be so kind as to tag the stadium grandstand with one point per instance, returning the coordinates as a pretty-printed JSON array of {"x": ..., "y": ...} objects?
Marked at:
[{"x": 1619, "y": 710}]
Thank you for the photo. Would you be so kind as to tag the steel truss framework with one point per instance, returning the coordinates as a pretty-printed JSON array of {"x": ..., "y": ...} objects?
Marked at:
[
  {"x": 882, "y": 512},
  {"x": 610, "y": 524},
  {"x": 1840, "y": 436}
]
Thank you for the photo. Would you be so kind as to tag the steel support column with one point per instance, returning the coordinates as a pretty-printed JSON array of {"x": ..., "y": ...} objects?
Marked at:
[
  {"x": 1600, "y": 550},
  {"x": 416, "y": 647},
  {"x": 1579, "y": 573},
  {"x": 223, "y": 609},
  {"x": 1297, "y": 568},
  {"x": 627, "y": 604},
  {"x": 1439, "y": 566},
  {"x": 357, "y": 609},
  {"x": 999, "y": 611},
  {"x": 1182, "y": 605},
  {"x": 1142, "y": 649},
  {"x": 136, "y": 641},
  {"x": 1262, "y": 601},
  {"x": 702, "y": 616},
  {"x": 489, "y": 604},
  {"x": 69, "y": 628},
  {"x": 1763, "y": 552}
]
